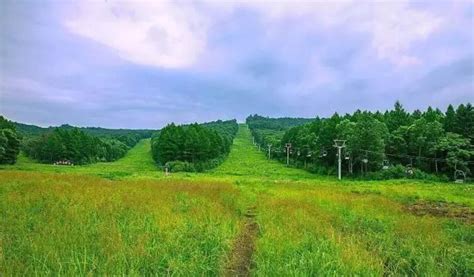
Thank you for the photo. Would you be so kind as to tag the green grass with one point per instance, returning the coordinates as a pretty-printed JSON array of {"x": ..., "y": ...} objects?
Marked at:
[
  {"x": 127, "y": 218},
  {"x": 245, "y": 162},
  {"x": 70, "y": 225}
]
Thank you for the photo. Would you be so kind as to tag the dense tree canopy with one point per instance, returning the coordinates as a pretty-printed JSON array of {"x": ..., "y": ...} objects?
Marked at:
[
  {"x": 9, "y": 142},
  {"x": 280, "y": 124},
  {"x": 31, "y": 131},
  {"x": 78, "y": 147},
  {"x": 200, "y": 145},
  {"x": 269, "y": 131},
  {"x": 429, "y": 141}
]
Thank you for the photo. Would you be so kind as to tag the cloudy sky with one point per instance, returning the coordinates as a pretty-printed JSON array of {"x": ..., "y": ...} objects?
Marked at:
[{"x": 142, "y": 64}]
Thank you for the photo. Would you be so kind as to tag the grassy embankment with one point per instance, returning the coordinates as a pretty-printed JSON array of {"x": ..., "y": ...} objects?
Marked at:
[{"x": 63, "y": 220}]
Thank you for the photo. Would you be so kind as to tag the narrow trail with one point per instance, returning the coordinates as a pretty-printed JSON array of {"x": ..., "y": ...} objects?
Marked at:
[
  {"x": 240, "y": 262},
  {"x": 245, "y": 162}
]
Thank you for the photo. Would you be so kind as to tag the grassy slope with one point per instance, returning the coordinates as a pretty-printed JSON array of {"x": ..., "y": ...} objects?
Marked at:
[
  {"x": 67, "y": 220},
  {"x": 308, "y": 224},
  {"x": 245, "y": 161},
  {"x": 312, "y": 225}
]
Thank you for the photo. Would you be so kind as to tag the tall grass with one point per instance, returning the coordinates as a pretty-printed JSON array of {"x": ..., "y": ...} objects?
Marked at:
[
  {"x": 78, "y": 225},
  {"x": 332, "y": 231}
]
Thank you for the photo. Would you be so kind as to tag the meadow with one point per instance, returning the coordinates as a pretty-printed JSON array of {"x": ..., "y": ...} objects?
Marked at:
[{"x": 128, "y": 218}]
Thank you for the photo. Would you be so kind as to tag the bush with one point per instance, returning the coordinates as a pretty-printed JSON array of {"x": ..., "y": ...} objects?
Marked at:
[
  {"x": 179, "y": 166},
  {"x": 183, "y": 166},
  {"x": 400, "y": 172},
  {"x": 321, "y": 170},
  {"x": 393, "y": 172}
]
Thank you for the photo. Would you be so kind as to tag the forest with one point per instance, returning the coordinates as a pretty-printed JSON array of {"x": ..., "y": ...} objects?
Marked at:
[
  {"x": 269, "y": 131},
  {"x": 77, "y": 147},
  {"x": 65, "y": 144},
  {"x": 392, "y": 144},
  {"x": 193, "y": 147}
]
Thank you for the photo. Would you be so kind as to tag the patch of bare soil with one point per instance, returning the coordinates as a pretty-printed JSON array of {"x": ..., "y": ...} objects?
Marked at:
[
  {"x": 241, "y": 254},
  {"x": 442, "y": 209}
]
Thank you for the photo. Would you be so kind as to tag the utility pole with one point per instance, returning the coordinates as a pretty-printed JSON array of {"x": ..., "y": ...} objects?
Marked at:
[
  {"x": 288, "y": 149},
  {"x": 339, "y": 144},
  {"x": 269, "y": 153}
]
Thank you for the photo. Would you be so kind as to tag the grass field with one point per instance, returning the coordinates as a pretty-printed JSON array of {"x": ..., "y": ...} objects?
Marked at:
[{"x": 127, "y": 218}]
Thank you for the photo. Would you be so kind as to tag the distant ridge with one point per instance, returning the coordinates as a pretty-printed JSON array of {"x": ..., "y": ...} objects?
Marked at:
[{"x": 33, "y": 130}]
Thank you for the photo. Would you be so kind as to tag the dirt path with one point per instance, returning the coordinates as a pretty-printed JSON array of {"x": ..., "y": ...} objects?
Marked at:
[
  {"x": 442, "y": 209},
  {"x": 241, "y": 254}
]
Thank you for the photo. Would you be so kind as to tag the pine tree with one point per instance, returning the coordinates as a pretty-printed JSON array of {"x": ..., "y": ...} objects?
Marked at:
[
  {"x": 397, "y": 117},
  {"x": 464, "y": 121},
  {"x": 450, "y": 119}
]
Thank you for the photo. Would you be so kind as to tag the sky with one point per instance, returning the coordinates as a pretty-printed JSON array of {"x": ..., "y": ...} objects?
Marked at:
[{"x": 144, "y": 64}]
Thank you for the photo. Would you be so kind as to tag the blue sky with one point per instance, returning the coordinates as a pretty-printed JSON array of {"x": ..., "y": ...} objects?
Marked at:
[{"x": 143, "y": 64}]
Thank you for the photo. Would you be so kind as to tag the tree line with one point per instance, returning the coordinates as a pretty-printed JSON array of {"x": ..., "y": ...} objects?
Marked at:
[
  {"x": 193, "y": 147},
  {"x": 65, "y": 143},
  {"x": 27, "y": 130},
  {"x": 270, "y": 131},
  {"x": 78, "y": 147},
  {"x": 395, "y": 143},
  {"x": 9, "y": 142}
]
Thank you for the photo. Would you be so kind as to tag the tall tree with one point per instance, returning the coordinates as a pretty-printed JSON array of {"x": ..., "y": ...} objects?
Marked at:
[
  {"x": 9, "y": 142},
  {"x": 397, "y": 117},
  {"x": 450, "y": 119},
  {"x": 465, "y": 121},
  {"x": 457, "y": 150},
  {"x": 11, "y": 146}
]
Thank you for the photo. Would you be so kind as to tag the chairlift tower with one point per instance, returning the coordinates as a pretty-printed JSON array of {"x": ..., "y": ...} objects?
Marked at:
[
  {"x": 288, "y": 149},
  {"x": 269, "y": 151},
  {"x": 339, "y": 144}
]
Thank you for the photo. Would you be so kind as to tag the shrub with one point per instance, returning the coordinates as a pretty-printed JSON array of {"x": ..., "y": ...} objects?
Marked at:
[
  {"x": 179, "y": 166},
  {"x": 400, "y": 172}
]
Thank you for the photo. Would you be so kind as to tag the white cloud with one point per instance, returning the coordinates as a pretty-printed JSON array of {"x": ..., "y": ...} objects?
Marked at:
[
  {"x": 396, "y": 27},
  {"x": 159, "y": 33},
  {"x": 393, "y": 26},
  {"x": 173, "y": 35}
]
